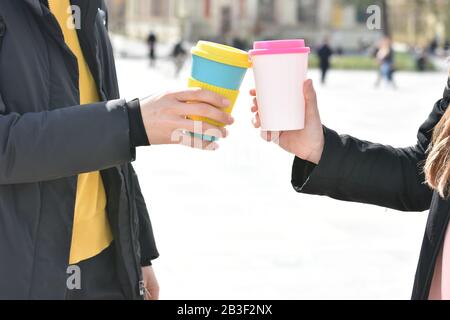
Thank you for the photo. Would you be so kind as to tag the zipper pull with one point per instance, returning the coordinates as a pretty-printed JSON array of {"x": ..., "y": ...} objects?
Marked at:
[{"x": 142, "y": 288}]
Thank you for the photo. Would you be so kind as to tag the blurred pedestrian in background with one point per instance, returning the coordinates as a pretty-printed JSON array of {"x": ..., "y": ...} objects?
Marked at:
[
  {"x": 179, "y": 55},
  {"x": 325, "y": 53},
  {"x": 151, "y": 42},
  {"x": 385, "y": 59},
  {"x": 421, "y": 59},
  {"x": 433, "y": 46}
]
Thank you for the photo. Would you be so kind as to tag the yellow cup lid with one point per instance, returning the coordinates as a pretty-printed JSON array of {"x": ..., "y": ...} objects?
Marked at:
[{"x": 222, "y": 54}]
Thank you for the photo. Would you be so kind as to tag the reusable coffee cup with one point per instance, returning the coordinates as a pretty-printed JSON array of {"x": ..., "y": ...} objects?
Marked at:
[
  {"x": 218, "y": 68},
  {"x": 280, "y": 69}
]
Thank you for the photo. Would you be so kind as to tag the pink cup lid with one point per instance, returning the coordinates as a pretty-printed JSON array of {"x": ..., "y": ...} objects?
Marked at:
[{"x": 279, "y": 47}]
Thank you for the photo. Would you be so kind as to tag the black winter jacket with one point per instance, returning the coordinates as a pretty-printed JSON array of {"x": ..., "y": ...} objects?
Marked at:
[
  {"x": 360, "y": 171},
  {"x": 47, "y": 139}
]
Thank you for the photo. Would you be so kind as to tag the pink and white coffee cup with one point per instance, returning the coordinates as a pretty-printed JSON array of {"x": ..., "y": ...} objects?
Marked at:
[{"x": 280, "y": 69}]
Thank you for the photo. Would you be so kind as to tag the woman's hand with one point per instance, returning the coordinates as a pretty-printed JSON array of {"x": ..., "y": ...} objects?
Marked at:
[
  {"x": 165, "y": 117},
  {"x": 150, "y": 283},
  {"x": 306, "y": 144}
]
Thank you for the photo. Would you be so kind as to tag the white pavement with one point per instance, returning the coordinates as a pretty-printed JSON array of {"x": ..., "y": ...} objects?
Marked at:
[{"x": 229, "y": 225}]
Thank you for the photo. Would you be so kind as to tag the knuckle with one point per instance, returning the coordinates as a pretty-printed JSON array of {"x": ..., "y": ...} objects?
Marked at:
[
  {"x": 197, "y": 92},
  {"x": 171, "y": 109},
  {"x": 219, "y": 100},
  {"x": 211, "y": 96},
  {"x": 224, "y": 117},
  {"x": 204, "y": 109},
  {"x": 207, "y": 93}
]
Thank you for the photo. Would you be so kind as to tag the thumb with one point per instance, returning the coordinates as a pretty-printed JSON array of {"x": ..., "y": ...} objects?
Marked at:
[{"x": 310, "y": 98}]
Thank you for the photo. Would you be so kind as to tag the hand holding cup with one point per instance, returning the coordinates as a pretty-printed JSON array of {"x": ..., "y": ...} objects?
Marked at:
[
  {"x": 286, "y": 105},
  {"x": 307, "y": 144},
  {"x": 165, "y": 117},
  {"x": 220, "y": 69}
]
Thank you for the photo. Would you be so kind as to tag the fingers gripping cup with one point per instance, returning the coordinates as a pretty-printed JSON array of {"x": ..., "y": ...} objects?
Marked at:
[
  {"x": 280, "y": 69},
  {"x": 220, "y": 69}
]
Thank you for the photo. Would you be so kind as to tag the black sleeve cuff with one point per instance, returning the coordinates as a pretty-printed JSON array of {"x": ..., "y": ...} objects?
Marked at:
[
  {"x": 301, "y": 171},
  {"x": 138, "y": 135},
  {"x": 314, "y": 179},
  {"x": 146, "y": 263}
]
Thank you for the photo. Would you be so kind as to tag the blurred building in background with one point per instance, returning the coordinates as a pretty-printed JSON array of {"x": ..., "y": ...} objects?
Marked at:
[
  {"x": 246, "y": 20},
  {"x": 421, "y": 22},
  {"x": 116, "y": 10}
]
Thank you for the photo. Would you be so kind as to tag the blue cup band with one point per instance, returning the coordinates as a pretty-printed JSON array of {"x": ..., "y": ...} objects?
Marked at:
[
  {"x": 217, "y": 74},
  {"x": 203, "y": 137}
]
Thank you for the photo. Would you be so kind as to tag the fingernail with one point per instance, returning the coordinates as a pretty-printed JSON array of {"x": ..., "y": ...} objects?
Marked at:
[{"x": 226, "y": 102}]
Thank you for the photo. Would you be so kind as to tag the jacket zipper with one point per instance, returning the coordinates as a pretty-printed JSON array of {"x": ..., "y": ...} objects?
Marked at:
[
  {"x": 141, "y": 283},
  {"x": 138, "y": 271}
]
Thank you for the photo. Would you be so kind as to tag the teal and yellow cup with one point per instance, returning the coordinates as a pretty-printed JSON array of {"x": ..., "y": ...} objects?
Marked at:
[{"x": 220, "y": 69}]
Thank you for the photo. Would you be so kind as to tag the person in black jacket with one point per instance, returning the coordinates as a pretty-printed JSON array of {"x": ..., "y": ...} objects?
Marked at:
[
  {"x": 345, "y": 168},
  {"x": 49, "y": 137},
  {"x": 151, "y": 42},
  {"x": 324, "y": 53}
]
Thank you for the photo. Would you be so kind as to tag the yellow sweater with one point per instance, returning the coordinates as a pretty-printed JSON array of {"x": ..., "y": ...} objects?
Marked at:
[{"x": 91, "y": 229}]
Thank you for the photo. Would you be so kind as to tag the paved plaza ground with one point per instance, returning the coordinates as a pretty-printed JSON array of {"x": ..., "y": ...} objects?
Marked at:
[{"x": 230, "y": 226}]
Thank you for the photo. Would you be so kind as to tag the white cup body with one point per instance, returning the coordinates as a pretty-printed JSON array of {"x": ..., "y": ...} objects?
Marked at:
[{"x": 279, "y": 82}]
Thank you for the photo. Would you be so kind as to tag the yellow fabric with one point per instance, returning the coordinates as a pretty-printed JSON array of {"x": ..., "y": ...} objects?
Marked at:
[{"x": 91, "y": 229}]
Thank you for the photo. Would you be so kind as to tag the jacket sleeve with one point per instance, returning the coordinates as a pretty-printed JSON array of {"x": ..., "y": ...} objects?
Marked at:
[
  {"x": 60, "y": 143},
  {"x": 147, "y": 241},
  {"x": 360, "y": 171}
]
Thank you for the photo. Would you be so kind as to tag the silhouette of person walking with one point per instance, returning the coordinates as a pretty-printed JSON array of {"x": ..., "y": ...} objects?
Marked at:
[
  {"x": 179, "y": 54},
  {"x": 151, "y": 42},
  {"x": 325, "y": 53},
  {"x": 385, "y": 58}
]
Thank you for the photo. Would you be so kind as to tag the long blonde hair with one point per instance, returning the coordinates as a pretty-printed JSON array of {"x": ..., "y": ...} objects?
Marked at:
[{"x": 437, "y": 166}]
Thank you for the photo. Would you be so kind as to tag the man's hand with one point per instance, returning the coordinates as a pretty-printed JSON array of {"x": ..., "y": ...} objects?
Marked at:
[
  {"x": 165, "y": 117},
  {"x": 306, "y": 144},
  {"x": 150, "y": 283}
]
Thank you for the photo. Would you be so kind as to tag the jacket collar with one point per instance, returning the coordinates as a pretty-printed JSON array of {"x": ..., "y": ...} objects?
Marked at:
[{"x": 87, "y": 6}]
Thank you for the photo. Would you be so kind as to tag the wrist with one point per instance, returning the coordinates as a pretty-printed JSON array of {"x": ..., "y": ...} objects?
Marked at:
[
  {"x": 138, "y": 134},
  {"x": 316, "y": 151},
  {"x": 316, "y": 154}
]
